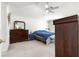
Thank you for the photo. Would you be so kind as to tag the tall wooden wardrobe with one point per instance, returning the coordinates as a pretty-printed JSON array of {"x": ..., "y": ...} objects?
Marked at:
[{"x": 67, "y": 36}]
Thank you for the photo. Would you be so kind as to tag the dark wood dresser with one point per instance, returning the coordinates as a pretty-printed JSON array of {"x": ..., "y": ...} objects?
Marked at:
[
  {"x": 18, "y": 35},
  {"x": 67, "y": 37}
]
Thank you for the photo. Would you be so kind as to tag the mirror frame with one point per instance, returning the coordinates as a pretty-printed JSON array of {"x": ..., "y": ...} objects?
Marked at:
[{"x": 18, "y": 22}]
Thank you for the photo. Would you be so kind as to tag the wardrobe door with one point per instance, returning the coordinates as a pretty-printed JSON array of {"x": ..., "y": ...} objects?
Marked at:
[
  {"x": 59, "y": 42},
  {"x": 70, "y": 39}
]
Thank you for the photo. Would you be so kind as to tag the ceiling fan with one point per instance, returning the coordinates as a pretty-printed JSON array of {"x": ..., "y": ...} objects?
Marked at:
[{"x": 49, "y": 8}]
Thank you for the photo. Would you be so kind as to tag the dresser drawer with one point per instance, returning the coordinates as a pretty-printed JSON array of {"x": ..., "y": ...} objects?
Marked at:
[{"x": 18, "y": 35}]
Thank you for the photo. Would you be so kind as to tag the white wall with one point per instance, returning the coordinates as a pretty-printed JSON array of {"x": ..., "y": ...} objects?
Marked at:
[
  {"x": 0, "y": 20},
  {"x": 31, "y": 24},
  {"x": 51, "y": 26},
  {"x": 4, "y": 27}
]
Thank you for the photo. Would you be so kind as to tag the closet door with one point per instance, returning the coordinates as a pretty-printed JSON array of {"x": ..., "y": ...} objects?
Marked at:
[
  {"x": 59, "y": 42},
  {"x": 70, "y": 39}
]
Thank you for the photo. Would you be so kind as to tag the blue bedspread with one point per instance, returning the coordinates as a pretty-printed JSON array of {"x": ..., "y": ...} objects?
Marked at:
[{"x": 43, "y": 33}]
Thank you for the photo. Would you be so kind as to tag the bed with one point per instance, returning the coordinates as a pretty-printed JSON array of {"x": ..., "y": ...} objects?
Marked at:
[{"x": 44, "y": 36}]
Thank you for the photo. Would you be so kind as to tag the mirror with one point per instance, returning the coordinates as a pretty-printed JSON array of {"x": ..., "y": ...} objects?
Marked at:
[{"x": 19, "y": 25}]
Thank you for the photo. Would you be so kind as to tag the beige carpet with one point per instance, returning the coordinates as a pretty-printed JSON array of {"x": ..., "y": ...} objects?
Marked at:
[{"x": 30, "y": 49}]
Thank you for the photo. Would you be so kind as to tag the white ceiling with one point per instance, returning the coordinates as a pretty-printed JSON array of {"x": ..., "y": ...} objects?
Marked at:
[
  {"x": 23, "y": 4},
  {"x": 19, "y": 4},
  {"x": 36, "y": 9}
]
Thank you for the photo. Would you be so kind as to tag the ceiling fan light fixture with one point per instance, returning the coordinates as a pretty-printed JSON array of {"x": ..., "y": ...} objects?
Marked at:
[{"x": 47, "y": 11}]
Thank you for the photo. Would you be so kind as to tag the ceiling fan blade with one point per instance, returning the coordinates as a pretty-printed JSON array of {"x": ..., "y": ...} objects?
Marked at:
[
  {"x": 49, "y": 8},
  {"x": 50, "y": 11},
  {"x": 54, "y": 7}
]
